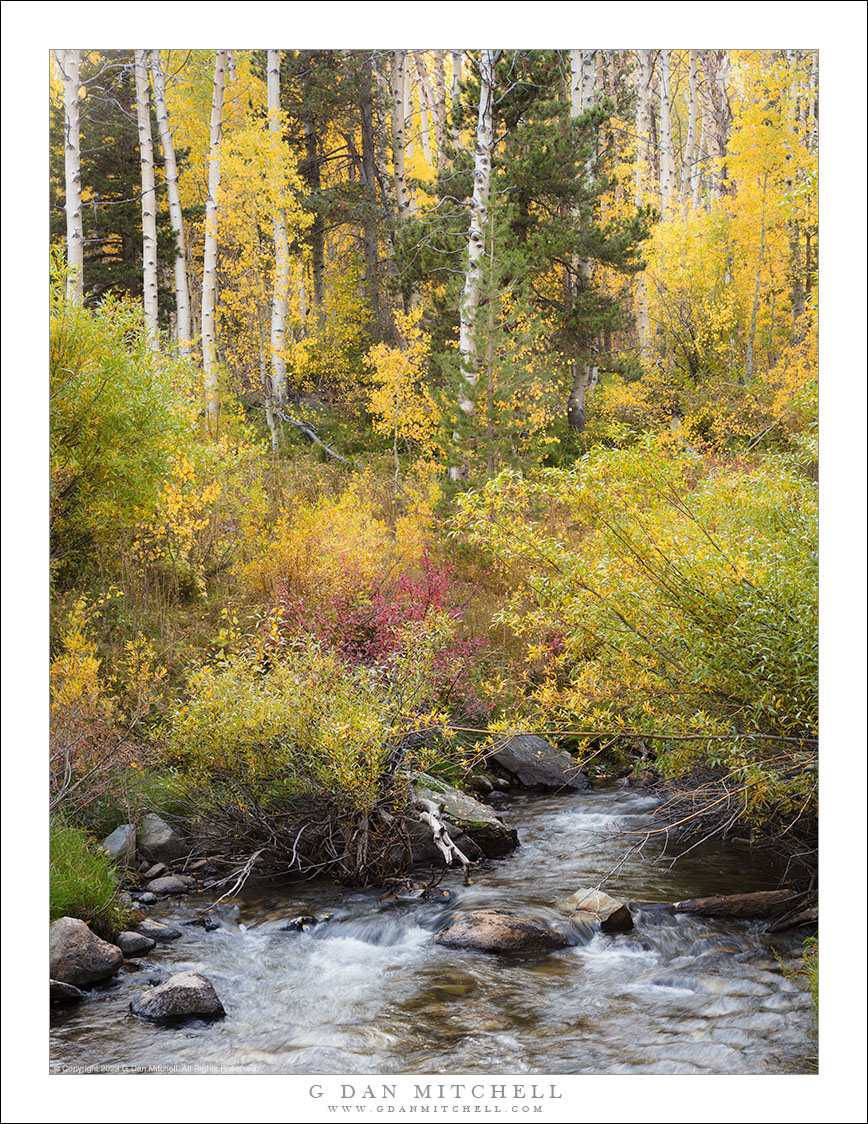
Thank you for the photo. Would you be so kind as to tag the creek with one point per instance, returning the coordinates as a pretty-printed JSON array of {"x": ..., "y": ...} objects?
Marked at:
[{"x": 370, "y": 992}]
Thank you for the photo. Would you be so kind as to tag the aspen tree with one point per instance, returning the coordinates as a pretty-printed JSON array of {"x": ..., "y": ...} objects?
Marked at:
[
  {"x": 69, "y": 63},
  {"x": 667, "y": 153},
  {"x": 399, "y": 125},
  {"x": 183, "y": 325},
  {"x": 583, "y": 75},
  {"x": 643, "y": 167},
  {"x": 209, "y": 272},
  {"x": 689, "y": 178},
  {"x": 280, "y": 294},
  {"x": 149, "y": 200},
  {"x": 468, "y": 370}
]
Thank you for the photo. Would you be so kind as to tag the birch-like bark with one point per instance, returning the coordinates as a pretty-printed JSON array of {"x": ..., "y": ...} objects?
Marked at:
[
  {"x": 176, "y": 218},
  {"x": 643, "y": 166},
  {"x": 457, "y": 57},
  {"x": 667, "y": 153},
  {"x": 69, "y": 63},
  {"x": 440, "y": 109},
  {"x": 583, "y": 80},
  {"x": 280, "y": 294},
  {"x": 209, "y": 272},
  {"x": 748, "y": 364},
  {"x": 717, "y": 114},
  {"x": 149, "y": 201},
  {"x": 369, "y": 172},
  {"x": 399, "y": 140},
  {"x": 468, "y": 365},
  {"x": 426, "y": 105},
  {"x": 688, "y": 168}
]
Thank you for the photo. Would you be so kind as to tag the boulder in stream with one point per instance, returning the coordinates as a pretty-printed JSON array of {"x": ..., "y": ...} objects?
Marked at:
[
  {"x": 64, "y": 993},
  {"x": 187, "y": 995},
  {"x": 470, "y": 817},
  {"x": 593, "y": 907},
  {"x": 134, "y": 944},
  {"x": 79, "y": 957},
  {"x": 536, "y": 763},
  {"x": 495, "y": 930},
  {"x": 157, "y": 841},
  {"x": 157, "y": 931},
  {"x": 171, "y": 884}
]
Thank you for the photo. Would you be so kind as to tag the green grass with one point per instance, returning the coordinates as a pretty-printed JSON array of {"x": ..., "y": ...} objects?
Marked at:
[{"x": 84, "y": 882}]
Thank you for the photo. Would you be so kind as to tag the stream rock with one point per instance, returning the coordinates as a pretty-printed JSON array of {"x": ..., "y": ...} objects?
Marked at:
[
  {"x": 157, "y": 931},
  {"x": 64, "y": 993},
  {"x": 171, "y": 884},
  {"x": 592, "y": 907},
  {"x": 157, "y": 841},
  {"x": 495, "y": 930},
  {"x": 535, "y": 763},
  {"x": 187, "y": 995},
  {"x": 79, "y": 957},
  {"x": 134, "y": 944},
  {"x": 470, "y": 817},
  {"x": 120, "y": 846}
]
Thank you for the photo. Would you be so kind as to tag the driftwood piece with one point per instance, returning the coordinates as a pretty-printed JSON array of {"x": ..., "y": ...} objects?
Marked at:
[
  {"x": 430, "y": 813},
  {"x": 759, "y": 905}
]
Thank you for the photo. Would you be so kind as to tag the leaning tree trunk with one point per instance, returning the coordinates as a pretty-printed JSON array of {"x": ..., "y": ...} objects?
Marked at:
[
  {"x": 182, "y": 293},
  {"x": 209, "y": 272},
  {"x": 68, "y": 61},
  {"x": 280, "y": 294},
  {"x": 149, "y": 201},
  {"x": 468, "y": 368},
  {"x": 583, "y": 75}
]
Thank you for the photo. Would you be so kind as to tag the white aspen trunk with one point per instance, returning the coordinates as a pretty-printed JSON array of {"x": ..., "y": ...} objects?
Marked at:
[
  {"x": 426, "y": 105},
  {"x": 397, "y": 85},
  {"x": 456, "y": 91},
  {"x": 643, "y": 164},
  {"x": 748, "y": 364},
  {"x": 69, "y": 63},
  {"x": 583, "y": 82},
  {"x": 409, "y": 125},
  {"x": 280, "y": 294},
  {"x": 440, "y": 108},
  {"x": 149, "y": 201},
  {"x": 209, "y": 272},
  {"x": 717, "y": 114},
  {"x": 667, "y": 154},
  {"x": 688, "y": 168},
  {"x": 182, "y": 293},
  {"x": 230, "y": 63},
  {"x": 469, "y": 372}
]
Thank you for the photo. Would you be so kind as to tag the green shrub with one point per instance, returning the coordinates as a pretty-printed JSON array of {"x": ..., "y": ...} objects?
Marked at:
[{"x": 84, "y": 882}]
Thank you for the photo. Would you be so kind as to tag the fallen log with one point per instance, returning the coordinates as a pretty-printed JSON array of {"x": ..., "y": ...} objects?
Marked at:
[{"x": 759, "y": 905}]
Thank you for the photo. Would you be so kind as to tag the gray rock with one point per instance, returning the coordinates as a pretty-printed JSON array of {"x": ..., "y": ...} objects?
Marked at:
[
  {"x": 155, "y": 870},
  {"x": 170, "y": 884},
  {"x": 64, "y": 992},
  {"x": 596, "y": 908},
  {"x": 157, "y": 841},
  {"x": 493, "y": 930},
  {"x": 481, "y": 785},
  {"x": 188, "y": 995},
  {"x": 475, "y": 820},
  {"x": 147, "y": 898},
  {"x": 157, "y": 931},
  {"x": 134, "y": 944},
  {"x": 121, "y": 844},
  {"x": 535, "y": 763},
  {"x": 79, "y": 957}
]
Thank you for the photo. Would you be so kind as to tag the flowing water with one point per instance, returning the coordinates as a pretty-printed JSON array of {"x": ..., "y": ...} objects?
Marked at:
[{"x": 370, "y": 992}]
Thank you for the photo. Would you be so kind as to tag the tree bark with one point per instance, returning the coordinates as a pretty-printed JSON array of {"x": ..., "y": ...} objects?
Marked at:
[
  {"x": 280, "y": 295},
  {"x": 369, "y": 171},
  {"x": 717, "y": 114},
  {"x": 688, "y": 168},
  {"x": 399, "y": 140},
  {"x": 149, "y": 201},
  {"x": 209, "y": 272},
  {"x": 440, "y": 109},
  {"x": 468, "y": 367},
  {"x": 427, "y": 112},
  {"x": 643, "y": 164},
  {"x": 667, "y": 153},
  {"x": 182, "y": 292},
  {"x": 69, "y": 63},
  {"x": 456, "y": 93},
  {"x": 583, "y": 75}
]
